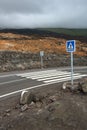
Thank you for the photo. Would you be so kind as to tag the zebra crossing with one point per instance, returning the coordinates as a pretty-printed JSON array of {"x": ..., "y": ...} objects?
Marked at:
[{"x": 51, "y": 76}]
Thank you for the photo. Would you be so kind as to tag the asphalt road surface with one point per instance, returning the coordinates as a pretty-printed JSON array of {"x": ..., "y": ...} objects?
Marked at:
[{"x": 13, "y": 83}]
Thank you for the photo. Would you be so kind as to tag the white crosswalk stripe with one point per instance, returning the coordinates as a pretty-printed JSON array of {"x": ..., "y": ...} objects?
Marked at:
[{"x": 51, "y": 76}]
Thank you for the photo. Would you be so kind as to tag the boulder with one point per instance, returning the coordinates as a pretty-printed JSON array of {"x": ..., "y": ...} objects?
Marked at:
[
  {"x": 67, "y": 86},
  {"x": 24, "y": 108},
  {"x": 26, "y": 97},
  {"x": 83, "y": 86}
]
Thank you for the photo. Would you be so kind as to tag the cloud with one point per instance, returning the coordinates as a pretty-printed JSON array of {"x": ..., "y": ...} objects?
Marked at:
[{"x": 43, "y": 13}]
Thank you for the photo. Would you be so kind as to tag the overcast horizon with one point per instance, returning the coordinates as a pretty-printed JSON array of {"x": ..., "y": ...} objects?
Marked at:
[{"x": 43, "y": 14}]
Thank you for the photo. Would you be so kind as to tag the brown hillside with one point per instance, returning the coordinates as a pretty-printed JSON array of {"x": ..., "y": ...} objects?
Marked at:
[{"x": 25, "y": 43}]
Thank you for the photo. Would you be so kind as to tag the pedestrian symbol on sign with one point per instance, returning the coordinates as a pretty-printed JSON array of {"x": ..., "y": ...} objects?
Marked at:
[{"x": 70, "y": 46}]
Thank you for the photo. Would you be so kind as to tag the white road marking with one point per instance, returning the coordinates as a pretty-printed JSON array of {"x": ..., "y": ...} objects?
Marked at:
[
  {"x": 37, "y": 86},
  {"x": 35, "y": 73},
  {"x": 42, "y": 74},
  {"x": 12, "y": 81},
  {"x": 55, "y": 77},
  {"x": 62, "y": 79},
  {"x": 23, "y": 73},
  {"x": 48, "y": 77},
  {"x": 52, "y": 76},
  {"x": 2, "y": 76}
]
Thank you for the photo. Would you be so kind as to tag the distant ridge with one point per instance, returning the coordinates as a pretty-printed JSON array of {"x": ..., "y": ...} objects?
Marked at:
[{"x": 47, "y": 33}]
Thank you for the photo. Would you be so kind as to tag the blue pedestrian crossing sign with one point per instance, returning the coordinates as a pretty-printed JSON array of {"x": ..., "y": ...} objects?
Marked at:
[{"x": 71, "y": 46}]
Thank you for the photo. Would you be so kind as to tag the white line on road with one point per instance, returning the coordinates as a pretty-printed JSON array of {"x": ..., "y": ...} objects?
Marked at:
[
  {"x": 47, "y": 75},
  {"x": 2, "y": 76},
  {"x": 28, "y": 73},
  {"x": 37, "y": 86},
  {"x": 35, "y": 73},
  {"x": 12, "y": 81},
  {"x": 62, "y": 79},
  {"x": 56, "y": 77}
]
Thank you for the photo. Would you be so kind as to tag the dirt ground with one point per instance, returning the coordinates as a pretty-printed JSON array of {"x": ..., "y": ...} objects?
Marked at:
[{"x": 57, "y": 110}]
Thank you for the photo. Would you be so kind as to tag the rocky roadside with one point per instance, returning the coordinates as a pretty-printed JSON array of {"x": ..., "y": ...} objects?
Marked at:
[{"x": 48, "y": 108}]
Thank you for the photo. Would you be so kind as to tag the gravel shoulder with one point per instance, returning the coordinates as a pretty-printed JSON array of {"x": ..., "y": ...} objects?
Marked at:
[{"x": 57, "y": 110}]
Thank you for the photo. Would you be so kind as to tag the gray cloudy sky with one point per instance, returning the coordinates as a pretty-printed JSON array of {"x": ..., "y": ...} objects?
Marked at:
[{"x": 43, "y": 13}]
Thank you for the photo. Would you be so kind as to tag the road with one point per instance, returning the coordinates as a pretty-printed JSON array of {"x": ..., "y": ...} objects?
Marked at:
[{"x": 12, "y": 83}]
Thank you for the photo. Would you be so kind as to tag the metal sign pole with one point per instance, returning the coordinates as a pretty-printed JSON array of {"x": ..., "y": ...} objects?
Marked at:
[
  {"x": 41, "y": 55},
  {"x": 72, "y": 68},
  {"x": 41, "y": 62}
]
